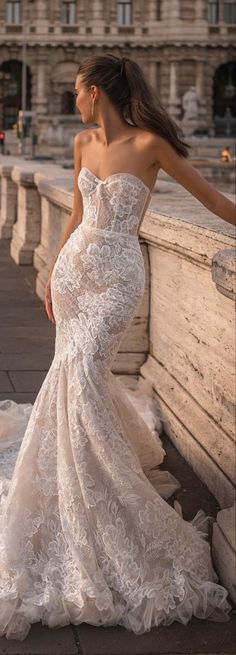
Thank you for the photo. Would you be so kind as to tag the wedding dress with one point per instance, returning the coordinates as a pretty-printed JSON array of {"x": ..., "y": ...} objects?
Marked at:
[{"x": 86, "y": 532}]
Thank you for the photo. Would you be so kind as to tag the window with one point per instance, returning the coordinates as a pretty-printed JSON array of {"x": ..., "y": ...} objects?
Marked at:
[
  {"x": 69, "y": 12},
  {"x": 158, "y": 9},
  {"x": 67, "y": 103},
  {"x": 124, "y": 12},
  {"x": 230, "y": 11},
  {"x": 13, "y": 12},
  {"x": 213, "y": 11}
]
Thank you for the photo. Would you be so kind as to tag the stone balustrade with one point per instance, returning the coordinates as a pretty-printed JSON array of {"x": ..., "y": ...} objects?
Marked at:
[
  {"x": 191, "y": 334},
  {"x": 182, "y": 339}
]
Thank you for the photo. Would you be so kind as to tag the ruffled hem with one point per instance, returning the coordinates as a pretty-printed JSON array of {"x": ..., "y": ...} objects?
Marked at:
[{"x": 204, "y": 600}]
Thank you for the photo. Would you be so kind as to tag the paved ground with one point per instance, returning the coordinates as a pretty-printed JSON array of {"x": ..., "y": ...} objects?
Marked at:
[{"x": 26, "y": 350}]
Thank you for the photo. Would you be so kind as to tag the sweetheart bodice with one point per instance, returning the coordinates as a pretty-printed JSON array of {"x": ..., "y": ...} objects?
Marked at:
[{"x": 116, "y": 204}]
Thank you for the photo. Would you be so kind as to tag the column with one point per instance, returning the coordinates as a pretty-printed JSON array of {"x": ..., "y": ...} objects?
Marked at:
[
  {"x": 2, "y": 12},
  {"x": 26, "y": 230},
  {"x": 111, "y": 11},
  {"x": 153, "y": 10},
  {"x": 174, "y": 100},
  {"x": 81, "y": 18},
  {"x": 199, "y": 83},
  {"x": 221, "y": 11},
  {"x": 80, "y": 12},
  {"x": 171, "y": 10},
  {"x": 138, "y": 11},
  {"x": 41, "y": 101},
  {"x": 42, "y": 10},
  {"x": 152, "y": 70},
  {"x": 88, "y": 11},
  {"x": 8, "y": 202},
  {"x": 200, "y": 9},
  {"x": 57, "y": 16},
  {"x": 208, "y": 94},
  {"x": 24, "y": 12},
  {"x": 200, "y": 79},
  {"x": 57, "y": 10},
  {"x": 97, "y": 12},
  {"x": 175, "y": 8}
]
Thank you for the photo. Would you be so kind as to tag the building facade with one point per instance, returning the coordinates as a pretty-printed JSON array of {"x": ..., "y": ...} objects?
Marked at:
[{"x": 178, "y": 43}]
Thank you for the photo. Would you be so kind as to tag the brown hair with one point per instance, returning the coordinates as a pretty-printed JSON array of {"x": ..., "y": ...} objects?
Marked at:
[{"x": 124, "y": 83}]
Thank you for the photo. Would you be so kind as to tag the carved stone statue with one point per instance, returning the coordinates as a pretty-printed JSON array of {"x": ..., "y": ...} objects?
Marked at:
[{"x": 190, "y": 104}]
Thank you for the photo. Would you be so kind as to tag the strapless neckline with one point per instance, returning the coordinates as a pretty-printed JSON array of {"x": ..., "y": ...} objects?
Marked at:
[{"x": 109, "y": 177}]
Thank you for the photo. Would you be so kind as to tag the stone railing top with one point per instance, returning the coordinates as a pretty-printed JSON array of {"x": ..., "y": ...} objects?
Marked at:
[
  {"x": 59, "y": 190},
  {"x": 23, "y": 171},
  {"x": 5, "y": 169},
  {"x": 172, "y": 216},
  {"x": 173, "y": 203},
  {"x": 32, "y": 174}
]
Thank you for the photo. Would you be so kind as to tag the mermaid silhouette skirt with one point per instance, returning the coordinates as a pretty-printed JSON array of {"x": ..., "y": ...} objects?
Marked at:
[{"x": 86, "y": 532}]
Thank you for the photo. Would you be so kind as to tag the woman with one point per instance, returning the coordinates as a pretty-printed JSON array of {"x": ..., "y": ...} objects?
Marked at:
[{"x": 96, "y": 540}]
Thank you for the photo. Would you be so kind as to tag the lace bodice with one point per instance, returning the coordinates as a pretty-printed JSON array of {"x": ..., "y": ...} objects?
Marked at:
[{"x": 116, "y": 204}]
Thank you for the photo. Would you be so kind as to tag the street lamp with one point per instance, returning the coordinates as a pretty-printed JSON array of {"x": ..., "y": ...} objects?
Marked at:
[{"x": 23, "y": 78}]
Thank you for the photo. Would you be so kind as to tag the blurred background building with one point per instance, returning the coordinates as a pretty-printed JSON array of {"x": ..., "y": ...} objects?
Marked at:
[{"x": 185, "y": 47}]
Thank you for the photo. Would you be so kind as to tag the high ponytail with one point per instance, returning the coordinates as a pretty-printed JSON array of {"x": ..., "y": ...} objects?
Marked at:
[{"x": 125, "y": 85}]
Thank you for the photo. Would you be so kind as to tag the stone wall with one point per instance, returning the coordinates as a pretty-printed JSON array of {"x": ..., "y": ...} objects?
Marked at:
[
  {"x": 183, "y": 336},
  {"x": 191, "y": 334}
]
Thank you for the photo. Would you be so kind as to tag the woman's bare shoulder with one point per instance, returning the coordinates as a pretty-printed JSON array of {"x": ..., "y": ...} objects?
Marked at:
[
  {"x": 155, "y": 146},
  {"x": 146, "y": 138},
  {"x": 84, "y": 137}
]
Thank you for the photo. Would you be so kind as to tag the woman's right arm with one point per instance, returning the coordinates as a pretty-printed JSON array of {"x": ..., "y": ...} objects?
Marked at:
[{"x": 74, "y": 220}]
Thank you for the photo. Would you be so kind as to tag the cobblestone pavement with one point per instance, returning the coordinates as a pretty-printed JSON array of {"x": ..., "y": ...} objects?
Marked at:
[{"x": 26, "y": 350}]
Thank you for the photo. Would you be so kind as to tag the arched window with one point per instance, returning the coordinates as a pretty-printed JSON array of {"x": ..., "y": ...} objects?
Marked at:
[
  {"x": 67, "y": 103},
  {"x": 13, "y": 12},
  {"x": 10, "y": 80},
  {"x": 230, "y": 11},
  {"x": 69, "y": 12},
  {"x": 124, "y": 12}
]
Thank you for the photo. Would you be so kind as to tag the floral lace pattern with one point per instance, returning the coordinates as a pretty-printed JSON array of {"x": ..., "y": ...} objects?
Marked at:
[{"x": 96, "y": 540}]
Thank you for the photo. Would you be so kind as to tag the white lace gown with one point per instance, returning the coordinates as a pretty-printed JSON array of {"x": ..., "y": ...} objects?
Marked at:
[{"x": 85, "y": 535}]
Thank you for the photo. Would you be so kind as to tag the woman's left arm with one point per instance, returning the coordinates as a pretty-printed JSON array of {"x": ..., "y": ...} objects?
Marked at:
[{"x": 183, "y": 172}]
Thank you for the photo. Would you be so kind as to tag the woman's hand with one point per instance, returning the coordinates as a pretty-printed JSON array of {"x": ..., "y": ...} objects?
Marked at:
[{"x": 48, "y": 302}]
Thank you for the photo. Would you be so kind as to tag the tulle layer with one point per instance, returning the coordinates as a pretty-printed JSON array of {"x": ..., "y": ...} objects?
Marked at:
[
  {"x": 204, "y": 600},
  {"x": 97, "y": 542}
]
